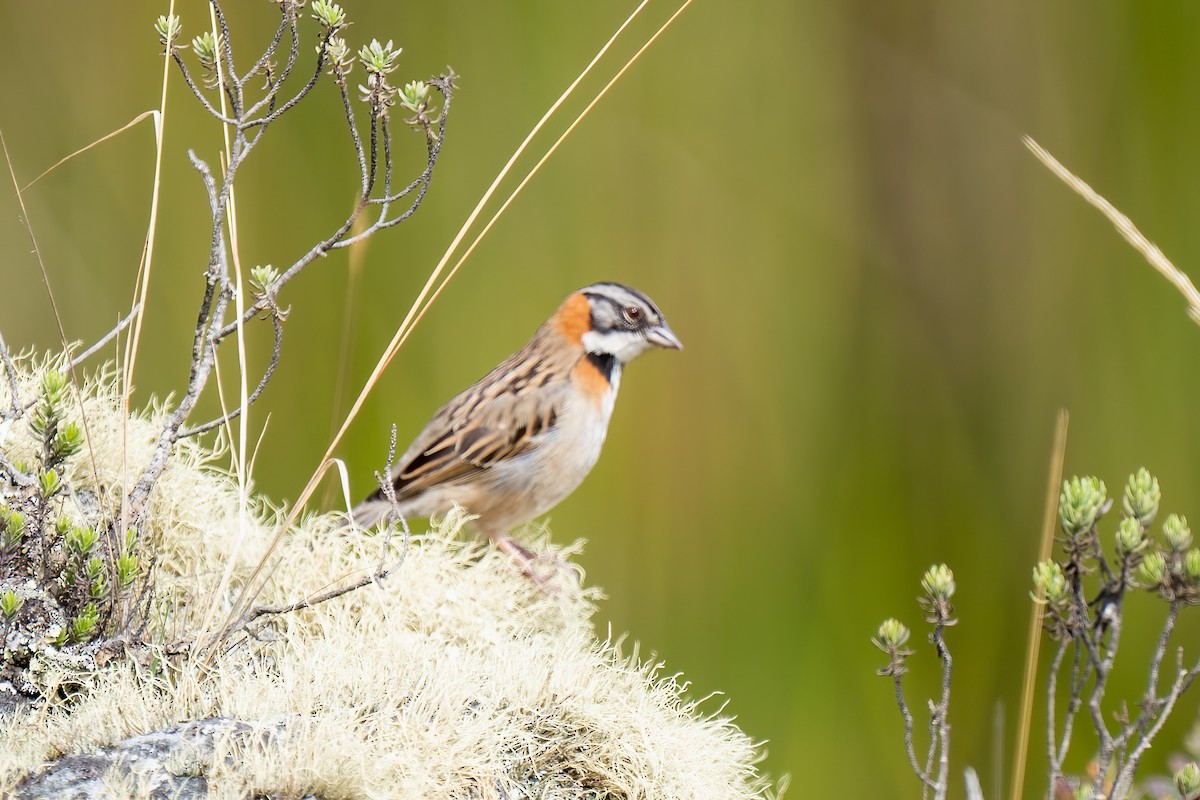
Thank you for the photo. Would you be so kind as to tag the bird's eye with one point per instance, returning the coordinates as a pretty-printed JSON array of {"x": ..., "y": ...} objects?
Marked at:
[{"x": 633, "y": 314}]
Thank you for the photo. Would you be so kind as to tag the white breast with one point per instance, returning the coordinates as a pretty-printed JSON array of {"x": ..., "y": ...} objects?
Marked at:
[{"x": 556, "y": 467}]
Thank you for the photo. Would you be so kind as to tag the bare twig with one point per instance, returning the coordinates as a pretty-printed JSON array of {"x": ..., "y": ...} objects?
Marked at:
[
  {"x": 1082, "y": 633},
  {"x": 233, "y": 86},
  {"x": 445, "y": 85},
  {"x": 909, "y": 748},
  {"x": 1108, "y": 742},
  {"x": 400, "y": 195},
  {"x": 287, "y": 20},
  {"x": 258, "y": 612},
  {"x": 939, "y": 722},
  {"x": 1055, "y": 753},
  {"x": 1151, "y": 704},
  {"x": 1161, "y": 650},
  {"x": 277, "y": 323},
  {"x": 381, "y": 572},
  {"x": 389, "y": 491},
  {"x": 1183, "y": 680},
  {"x": 245, "y": 124},
  {"x": 108, "y": 337},
  {"x": 355, "y": 138},
  {"x": 15, "y": 475},
  {"x": 339, "y": 238},
  {"x": 14, "y": 385},
  {"x": 199, "y": 93},
  {"x": 212, "y": 310}
]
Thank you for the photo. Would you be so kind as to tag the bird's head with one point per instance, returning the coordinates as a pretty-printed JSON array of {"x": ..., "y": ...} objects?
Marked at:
[{"x": 623, "y": 323}]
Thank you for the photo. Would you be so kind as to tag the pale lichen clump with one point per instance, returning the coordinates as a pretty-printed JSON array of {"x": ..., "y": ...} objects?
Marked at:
[{"x": 456, "y": 676}]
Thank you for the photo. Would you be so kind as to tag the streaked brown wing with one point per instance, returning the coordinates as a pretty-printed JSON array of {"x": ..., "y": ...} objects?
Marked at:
[{"x": 494, "y": 420}]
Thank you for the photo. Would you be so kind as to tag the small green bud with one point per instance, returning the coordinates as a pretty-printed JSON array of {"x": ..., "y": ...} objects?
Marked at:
[
  {"x": 893, "y": 634},
  {"x": 205, "y": 48},
  {"x": 262, "y": 278},
  {"x": 14, "y": 527},
  {"x": 379, "y": 59},
  {"x": 1130, "y": 538},
  {"x": 62, "y": 525},
  {"x": 83, "y": 626},
  {"x": 938, "y": 582},
  {"x": 42, "y": 420},
  {"x": 1152, "y": 570},
  {"x": 415, "y": 95},
  {"x": 98, "y": 588},
  {"x": 1080, "y": 504},
  {"x": 1141, "y": 497},
  {"x": 338, "y": 57},
  {"x": 94, "y": 567},
  {"x": 328, "y": 14},
  {"x": 10, "y": 603},
  {"x": 131, "y": 539},
  {"x": 168, "y": 28},
  {"x": 69, "y": 440},
  {"x": 891, "y": 638},
  {"x": 127, "y": 570},
  {"x": 49, "y": 483},
  {"x": 53, "y": 384},
  {"x": 1191, "y": 565},
  {"x": 1187, "y": 780},
  {"x": 1176, "y": 533},
  {"x": 1050, "y": 582},
  {"x": 80, "y": 541}
]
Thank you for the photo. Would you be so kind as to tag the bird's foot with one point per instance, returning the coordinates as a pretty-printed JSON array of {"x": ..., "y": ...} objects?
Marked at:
[{"x": 542, "y": 569}]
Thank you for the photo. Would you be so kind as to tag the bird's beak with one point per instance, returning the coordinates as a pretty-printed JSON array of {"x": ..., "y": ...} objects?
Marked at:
[{"x": 663, "y": 336}]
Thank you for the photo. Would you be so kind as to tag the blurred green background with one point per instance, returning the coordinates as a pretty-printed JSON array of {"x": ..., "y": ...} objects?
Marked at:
[{"x": 884, "y": 300}]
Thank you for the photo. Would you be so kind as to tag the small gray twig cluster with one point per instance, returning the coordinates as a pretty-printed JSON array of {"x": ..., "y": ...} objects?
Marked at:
[
  {"x": 892, "y": 638},
  {"x": 250, "y": 114},
  {"x": 1087, "y": 633}
]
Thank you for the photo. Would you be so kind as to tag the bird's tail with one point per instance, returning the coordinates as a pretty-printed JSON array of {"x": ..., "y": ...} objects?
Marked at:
[{"x": 370, "y": 512}]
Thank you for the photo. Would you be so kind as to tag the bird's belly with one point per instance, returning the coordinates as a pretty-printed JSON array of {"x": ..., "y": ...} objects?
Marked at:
[{"x": 538, "y": 480}]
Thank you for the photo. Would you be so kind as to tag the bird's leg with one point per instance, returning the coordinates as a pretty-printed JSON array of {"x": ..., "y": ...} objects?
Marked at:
[
  {"x": 520, "y": 555},
  {"x": 528, "y": 561},
  {"x": 518, "y": 552}
]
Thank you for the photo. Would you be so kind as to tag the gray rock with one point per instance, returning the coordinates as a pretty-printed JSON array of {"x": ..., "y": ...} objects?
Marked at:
[{"x": 164, "y": 764}]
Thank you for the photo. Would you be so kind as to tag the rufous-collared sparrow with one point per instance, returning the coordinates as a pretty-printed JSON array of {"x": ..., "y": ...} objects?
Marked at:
[{"x": 521, "y": 439}]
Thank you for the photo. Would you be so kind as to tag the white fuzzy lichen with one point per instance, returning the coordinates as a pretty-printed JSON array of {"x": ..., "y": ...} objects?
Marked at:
[{"x": 456, "y": 677}]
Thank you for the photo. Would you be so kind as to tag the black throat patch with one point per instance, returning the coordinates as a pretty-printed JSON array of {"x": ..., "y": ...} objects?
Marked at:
[{"x": 605, "y": 362}]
